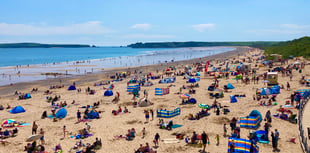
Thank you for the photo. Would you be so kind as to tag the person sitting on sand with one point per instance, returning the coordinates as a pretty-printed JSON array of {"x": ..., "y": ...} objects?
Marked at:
[
  {"x": 194, "y": 138},
  {"x": 119, "y": 109},
  {"x": 126, "y": 110}
]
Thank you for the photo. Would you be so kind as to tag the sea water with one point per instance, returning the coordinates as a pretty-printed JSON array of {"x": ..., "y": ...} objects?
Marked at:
[{"x": 80, "y": 61}]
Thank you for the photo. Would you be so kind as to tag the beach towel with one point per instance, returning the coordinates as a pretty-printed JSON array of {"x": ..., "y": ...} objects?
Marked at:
[
  {"x": 176, "y": 126},
  {"x": 170, "y": 140},
  {"x": 120, "y": 137}
]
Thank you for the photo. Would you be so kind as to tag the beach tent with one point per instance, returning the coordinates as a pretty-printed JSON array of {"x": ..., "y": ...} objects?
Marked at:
[
  {"x": 131, "y": 88},
  {"x": 72, "y": 87},
  {"x": 144, "y": 102},
  {"x": 261, "y": 136},
  {"x": 275, "y": 89},
  {"x": 92, "y": 115},
  {"x": 168, "y": 114},
  {"x": 251, "y": 121},
  {"x": 61, "y": 113},
  {"x": 108, "y": 93},
  {"x": 230, "y": 86},
  {"x": 192, "y": 80},
  {"x": 27, "y": 96},
  {"x": 263, "y": 93},
  {"x": 198, "y": 74},
  {"x": 161, "y": 91},
  {"x": 17, "y": 109},
  {"x": 233, "y": 99},
  {"x": 242, "y": 145},
  {"x": 192, "y": 101}
]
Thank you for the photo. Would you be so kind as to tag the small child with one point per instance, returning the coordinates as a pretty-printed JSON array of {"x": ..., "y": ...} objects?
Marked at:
[
  {"x": 217, "y": 137},
  {"x": 143, "y": 133},
  {"x": 225, "y": 130}
]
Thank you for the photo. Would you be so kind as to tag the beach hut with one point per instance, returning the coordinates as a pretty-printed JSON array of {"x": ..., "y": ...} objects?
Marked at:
[
  {"x": 242, "y": 145},
  {"x": 131, "y": 88},
  {"x": 161, "y": 91},
  {"x": 72, "y": 87},
  {"x": 272, "y": 78},
  {"x": 108, "y": 93},
  {"x": 61, "y": 113},
  {"x": 168, "y": 114},
  {"x": 27, "y": 96},
  {"x": 17, "y": 109},
  {"x": 233, "y": 99},
  {"x": 251, "y": 121}
]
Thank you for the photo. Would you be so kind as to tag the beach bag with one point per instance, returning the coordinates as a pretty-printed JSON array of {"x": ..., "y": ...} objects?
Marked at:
[{"x": 199, "y": 145}]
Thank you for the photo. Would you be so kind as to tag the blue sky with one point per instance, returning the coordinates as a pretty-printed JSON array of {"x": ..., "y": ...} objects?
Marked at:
[{"x": 121, "y": 22}]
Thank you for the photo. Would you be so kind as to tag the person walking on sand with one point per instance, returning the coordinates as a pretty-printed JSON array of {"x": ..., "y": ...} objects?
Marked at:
[
  {"x": 143, "y": 132},
  {"x": 147, "y": 116},
  {"x": 64, "y": 131},
  {"x": 217, "y": 137},
  {"x": 42, "y": 137},
  {"x": 205, "y": 140},
  {"x": 225, "y": 130},
  {"x": 288, "y": 86},
  {"x": 156, "y": 139},
  {"x": 152, "y": 113},
  {"x": 34, "y": 127},
  {"x": 78, "y": 114}
]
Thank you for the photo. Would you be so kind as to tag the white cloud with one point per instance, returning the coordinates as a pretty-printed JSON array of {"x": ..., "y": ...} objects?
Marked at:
[
  {"x": 87, "y": 28},
  {"x": 295, "y": 26},
  {"x": 203, "y": 27},
  {"x": 143, "y": 26},
  {"x": 283, "y": 29},
  {"x": 147, "y": 36}
]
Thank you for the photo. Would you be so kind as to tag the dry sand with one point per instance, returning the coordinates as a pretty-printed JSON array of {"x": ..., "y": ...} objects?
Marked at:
[{"x": 109, "y": 125}]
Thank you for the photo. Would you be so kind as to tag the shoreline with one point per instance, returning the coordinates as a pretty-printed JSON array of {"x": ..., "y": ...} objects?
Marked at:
[{"x": 5, "y": 90}]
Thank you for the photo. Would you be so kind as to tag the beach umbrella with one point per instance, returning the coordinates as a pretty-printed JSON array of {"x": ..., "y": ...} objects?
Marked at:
[
  {"x": 185, "y": 96},
  {"x": 8, "y": 121},
  {"x": 33, "y": 137}
]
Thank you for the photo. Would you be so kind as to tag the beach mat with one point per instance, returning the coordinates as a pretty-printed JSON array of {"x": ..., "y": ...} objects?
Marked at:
[
  {"x": 50, "y": 116},
  {"x": 174, "y": 126},
  {"x": 170, "y": 140},
  {"x": 24, "y": 124}
]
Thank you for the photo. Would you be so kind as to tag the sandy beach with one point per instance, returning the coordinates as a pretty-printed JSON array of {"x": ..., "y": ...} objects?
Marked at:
[{"x": 109, "y": 125}]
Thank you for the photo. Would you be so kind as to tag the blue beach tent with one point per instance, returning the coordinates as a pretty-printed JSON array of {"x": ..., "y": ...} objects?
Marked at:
[
  {"x": 192, "y": 80},
  {"x": 92, "y": 115},
  {"x": 233, "y": 99},
  {"x": 27, "y": 96},
  {"x": 61, "y": 113},
  {"x": 17, "y": 109},
  {"x": 72, "y": 87},
  {"x": 108, "y": 93},
  {"x": 192, "y": 101},
  {"x": 230, "y": 86}
]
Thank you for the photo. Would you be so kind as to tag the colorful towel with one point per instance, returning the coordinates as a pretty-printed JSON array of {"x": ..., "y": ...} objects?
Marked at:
[{"x": 176, "y": 126}]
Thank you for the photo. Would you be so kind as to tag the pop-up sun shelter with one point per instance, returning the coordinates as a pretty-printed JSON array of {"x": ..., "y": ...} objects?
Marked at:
[
  {"x": 251, "y": 121},
  {"x": 61, "y": 113},
  {"x": 17, "y": 109},
  {"x": 233, "y": 99},
  {"x": 168, "y": 114},
  {"x": 108, "y": 93},
  {"x": 242, "y": 145},
  {"x": 27, "y": 96},
  {"x": 72, "y": 87},
  {"x": 230, "y": 86}
]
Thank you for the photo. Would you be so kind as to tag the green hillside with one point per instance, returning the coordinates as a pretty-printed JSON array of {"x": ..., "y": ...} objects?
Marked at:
[
  {"x": 297, "y": 47},
  {"x": 199, "y": 44}
]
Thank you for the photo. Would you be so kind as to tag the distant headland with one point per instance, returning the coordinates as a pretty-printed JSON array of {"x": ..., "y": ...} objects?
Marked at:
[{"x": 38, "y": 45}]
